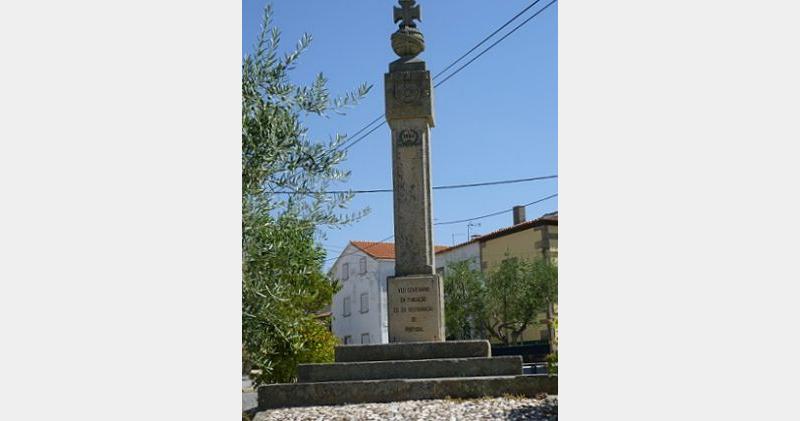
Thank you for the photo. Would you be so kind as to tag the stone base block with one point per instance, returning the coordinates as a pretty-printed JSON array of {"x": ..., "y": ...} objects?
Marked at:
[
  {"x": 339, "y": 393},
  {"x": 416, "y": 308},
  {"x": 413, "y": 351},
  {"x": 411, "y": 369}
]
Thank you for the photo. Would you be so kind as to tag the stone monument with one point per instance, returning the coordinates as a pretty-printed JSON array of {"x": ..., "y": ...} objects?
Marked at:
[
  {"x": 418, "y": 363},
  {"x": 415, "y": 294}
]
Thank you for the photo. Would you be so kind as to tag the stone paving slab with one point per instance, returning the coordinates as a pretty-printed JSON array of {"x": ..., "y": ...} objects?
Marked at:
[
  {"x": 338, "y": 393},
  {"x": 411, "y": 369},
  {"x": 413, "y": 351}
]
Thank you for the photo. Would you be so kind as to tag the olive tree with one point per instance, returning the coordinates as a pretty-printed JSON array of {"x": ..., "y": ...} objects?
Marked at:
[
  {"x": 283, "y": 286},
  {"x": 464, "y": 296},
  {"x": 517, "y": 292}
]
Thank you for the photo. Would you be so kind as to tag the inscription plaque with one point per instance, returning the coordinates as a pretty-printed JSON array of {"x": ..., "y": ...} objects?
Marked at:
[{"x": 414, "y": 309}]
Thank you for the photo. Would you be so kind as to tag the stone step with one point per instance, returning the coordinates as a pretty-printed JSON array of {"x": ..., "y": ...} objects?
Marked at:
[
  {"x": 364, "y": 391},
  {"x": 413, "y": 351},
  {"x": 411, "y": 369}
]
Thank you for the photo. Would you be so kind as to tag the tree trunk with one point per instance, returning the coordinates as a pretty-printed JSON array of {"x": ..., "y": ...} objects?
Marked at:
[
  {"x": 518, "y": 332},
  {"x": 551, "y": 328}
]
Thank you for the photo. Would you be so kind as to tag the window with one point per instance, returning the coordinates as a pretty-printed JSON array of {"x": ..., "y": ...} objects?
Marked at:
[
  {"x": 362, "y": 265},
  {"x": 345, "y": 271},
  {"x": 346, "y": 306},
  {"x": 364, "y": 302},
  {"x": 348, "y": 340},
  {"x": 365, "y": 338}
]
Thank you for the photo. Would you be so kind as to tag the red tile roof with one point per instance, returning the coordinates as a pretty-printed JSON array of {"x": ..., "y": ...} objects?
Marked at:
[
  {"x": 376, "y": 250},
  {"x": 386, "y": 250},
  {"x": 382, "y": 250},
  {"x": 546, "y": 219}
]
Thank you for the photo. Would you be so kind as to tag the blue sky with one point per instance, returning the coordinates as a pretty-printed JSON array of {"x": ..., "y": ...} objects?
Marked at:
[{"x": 495, "y": 120}]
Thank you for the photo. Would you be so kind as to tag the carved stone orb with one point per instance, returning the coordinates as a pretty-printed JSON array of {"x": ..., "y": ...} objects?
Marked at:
[{"x": 408, "y": 42}]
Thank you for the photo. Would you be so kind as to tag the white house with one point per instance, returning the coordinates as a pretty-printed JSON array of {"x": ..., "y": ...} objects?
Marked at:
[
  {"x": 358, "y": 310},
  {"x": 470, "y": 250}
]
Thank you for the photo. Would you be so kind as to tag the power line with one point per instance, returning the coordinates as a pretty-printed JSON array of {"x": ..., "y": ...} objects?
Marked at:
[
  {"x": 495, "y": 213},
  {"x": 453, "y": 186},
  {"x": 449, "y": 66},
  {"x": 485, "y": 39},
  {"x": 365, "y": 127},
  {"x": 365, "y": 135},
  {"x": 495, "y": 43},
  {"x": 493, "y": 183}
]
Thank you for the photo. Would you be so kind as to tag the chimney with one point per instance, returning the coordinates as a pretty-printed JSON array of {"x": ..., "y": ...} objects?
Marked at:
[{"x": 519, "y": 214}]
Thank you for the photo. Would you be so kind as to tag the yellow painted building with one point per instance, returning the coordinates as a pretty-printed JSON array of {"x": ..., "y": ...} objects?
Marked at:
[{"x": 529, "y": 240}]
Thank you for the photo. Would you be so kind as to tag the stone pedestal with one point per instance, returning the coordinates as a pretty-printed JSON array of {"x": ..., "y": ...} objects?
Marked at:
[
  {"x": 416, "y": 308},
  {"x": 407, "y": 371}
]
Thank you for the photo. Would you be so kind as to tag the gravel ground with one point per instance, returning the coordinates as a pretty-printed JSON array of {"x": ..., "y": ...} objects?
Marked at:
[{"x": 507, "y": 408}]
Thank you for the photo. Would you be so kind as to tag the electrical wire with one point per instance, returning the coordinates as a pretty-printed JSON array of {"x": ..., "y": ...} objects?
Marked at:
[
  {"x": 449, "y": 187},
  {"x": 485, "y": 39},
  {"x": 494, "y": 44},
  {"x": 495, "y": 213},
  {"x": 449, "y": 66}
]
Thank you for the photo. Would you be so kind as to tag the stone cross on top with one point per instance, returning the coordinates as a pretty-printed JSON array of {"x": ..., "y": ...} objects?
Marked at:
[{"x": 408, "y": 13}]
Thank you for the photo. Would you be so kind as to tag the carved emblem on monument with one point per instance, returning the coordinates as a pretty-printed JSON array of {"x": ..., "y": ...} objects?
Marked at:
[
  {"x": 407, "y": 92},
  {"x": 408, "y": 137}
]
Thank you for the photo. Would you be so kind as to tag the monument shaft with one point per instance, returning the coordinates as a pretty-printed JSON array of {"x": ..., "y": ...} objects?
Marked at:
[
  {"x": 413, "y": 230},
  {"x": 415, "y": 293}
]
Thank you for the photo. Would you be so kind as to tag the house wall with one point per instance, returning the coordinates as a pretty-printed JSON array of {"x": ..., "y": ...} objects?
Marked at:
[
  {"x": 553, "y": 242},
  {"x": 373, "y": 282},
  {"x": 469, "y": 252},
  {"x": 386, "y": 269},
  {"x": 519, "y": 244}
]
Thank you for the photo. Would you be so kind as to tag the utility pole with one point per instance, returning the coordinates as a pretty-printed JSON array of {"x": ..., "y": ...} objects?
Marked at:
[{"x": 471, "y": 225}]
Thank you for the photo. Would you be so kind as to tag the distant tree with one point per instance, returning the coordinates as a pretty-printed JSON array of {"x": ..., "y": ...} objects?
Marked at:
[
  {"x": 517, "y": 292},
  {"x": 464, "y": 298},
  {"x": 283, "y": 286},
  {"x": 545, "y": 276}
]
